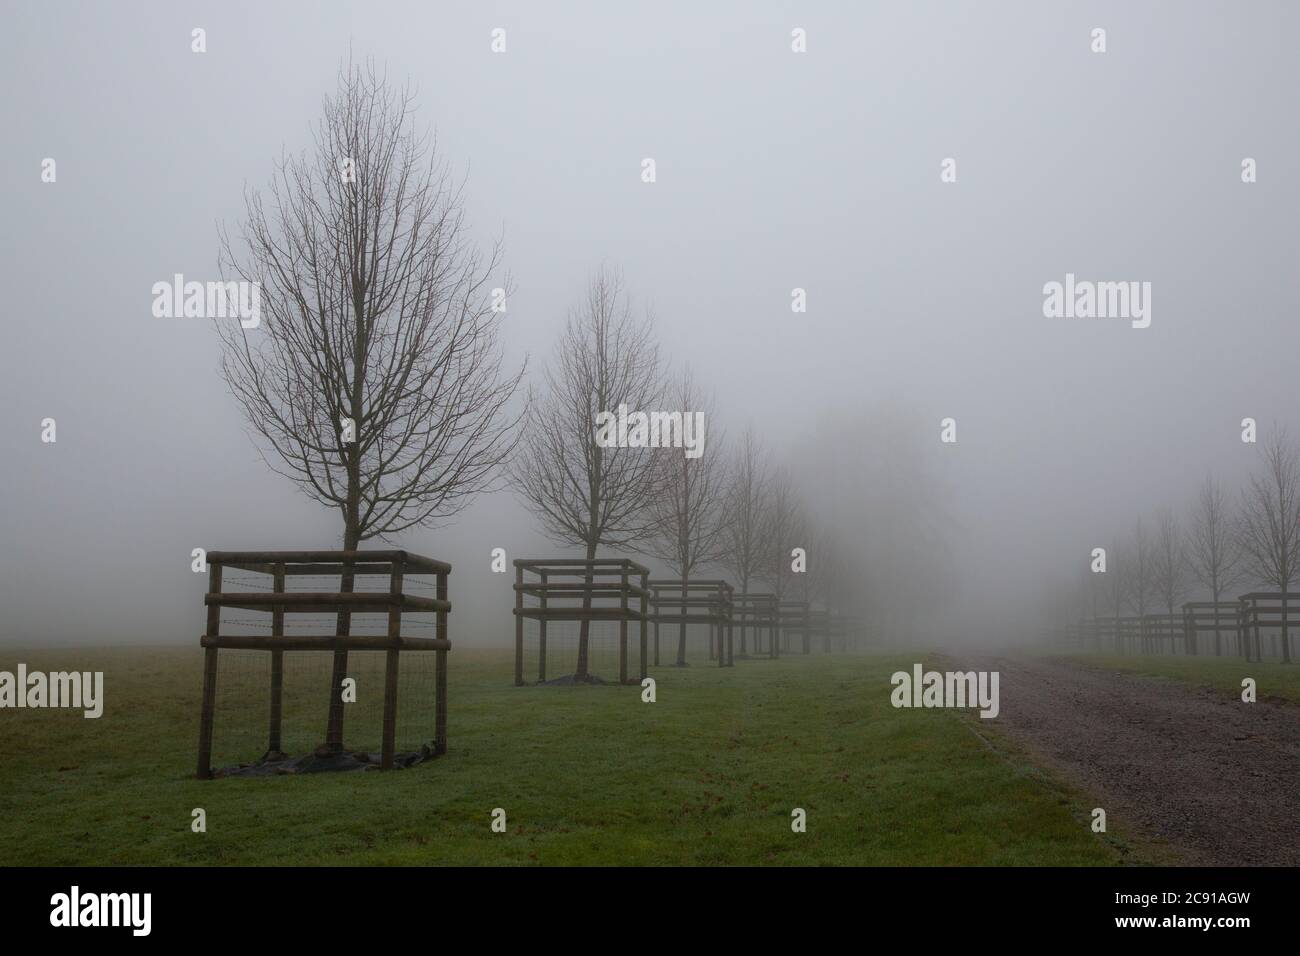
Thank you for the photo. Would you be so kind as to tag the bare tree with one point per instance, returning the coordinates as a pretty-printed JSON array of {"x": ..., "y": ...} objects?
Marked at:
[
  {"x": 782, "y": 527},
  {"x": 1213, "y": 552},
  {"x": 746, "y": 507},
  {"x": 1117, "y": 585},
  {"x": 688, "y": 510},
  {"x": 585, "y": 494},
  {"x": 1170, "y": 564},
  {"x": 1140, "y": 576},
  {"x": 1092, "y": 608},
  {"x": 1269, "y": 524},
  {"x": 375, "y": 377}
]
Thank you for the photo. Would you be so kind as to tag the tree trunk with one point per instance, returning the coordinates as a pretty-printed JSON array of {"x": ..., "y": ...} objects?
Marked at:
[
  {"x": 744, "y": 593},
  {"x": 339, "y": 670},
  {"x": 1218, "y": 644},
  {"x": 681, "y": 628},
  {"x": 351, "y": 519},
  {"x": 1286, "y": 634},
  {"x": 584, "y": 628}
]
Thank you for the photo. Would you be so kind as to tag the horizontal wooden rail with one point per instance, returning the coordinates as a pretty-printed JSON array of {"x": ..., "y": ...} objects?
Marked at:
[
  {"x": 562, "y": 589},
  {"x": 413, "y": 563},
  {"x": 579, "y": 614},
  {"x": 323, "y": 642},
  {"x": 694, "y": 584},
  {"x": 578, "y": 565},
  {"x": 307, "y": 602}
]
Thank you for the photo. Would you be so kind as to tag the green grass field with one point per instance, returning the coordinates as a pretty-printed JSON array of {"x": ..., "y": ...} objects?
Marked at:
[
  {"x": 709, "y": 774},
  {"x": 1224, "y": 674}
]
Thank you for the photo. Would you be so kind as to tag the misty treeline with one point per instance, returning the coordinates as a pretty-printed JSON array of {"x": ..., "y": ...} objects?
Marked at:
[
  {"x": 828, "y": 524},
  {"x": 376, "y": 383},
  {"x": 1221, "y": 542}
]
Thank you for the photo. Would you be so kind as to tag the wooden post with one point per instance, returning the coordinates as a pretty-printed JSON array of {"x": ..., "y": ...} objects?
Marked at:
[
  {"x": 656, "y": 627},
  {"x": 1259, "y": 649},
  {"x": 1243, "y": 636},
  {"x": 393, "y": 656},
  {"x": 729, "y": 608},
  {"x": 541, "y": 640},
  {"x": 645, "y": 603},
  {"x": 519, "y": 626},
  {"x": 209, "y": 678},
  {"x": 440, "y": 677},
  {"x": 622, "y": 629},
  {"x": 277, "y": 668},
  {"x": 715, "y": 627}
]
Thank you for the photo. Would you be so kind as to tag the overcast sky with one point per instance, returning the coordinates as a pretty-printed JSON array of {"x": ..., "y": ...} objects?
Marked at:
[{"x": 775, "y": 170}]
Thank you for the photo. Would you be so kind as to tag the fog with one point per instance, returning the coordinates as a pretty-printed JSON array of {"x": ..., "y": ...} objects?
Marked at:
[{"x": 775, "y": 171}]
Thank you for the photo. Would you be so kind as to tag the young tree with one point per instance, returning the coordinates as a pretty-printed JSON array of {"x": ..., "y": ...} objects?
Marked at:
[
  {"x": 1117, "y": 585},
  {"x": 582, "y": 493},
  {"x": 1141, "y": 571},
  {"x": 1170, "y": 565},
  {"x": 375, "y": 378},
  {"x": 688, "y": 511},
  {"x": 1213, "y": 554},
  {"x": 746, "y": 505},
  {"x": 782, "y": 528},
  {"x": 1269, "y": 524}
]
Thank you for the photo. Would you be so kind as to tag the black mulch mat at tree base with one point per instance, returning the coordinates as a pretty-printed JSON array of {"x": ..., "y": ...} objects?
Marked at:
[
  {"x": 274, "y": 763},
  {"x": 569, "y": 680}
]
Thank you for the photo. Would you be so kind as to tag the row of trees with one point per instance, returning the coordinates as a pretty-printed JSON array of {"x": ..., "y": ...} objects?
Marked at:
[
  {"x": 725, "y": 509},
  {"x": 1220, "y": 544},
  {"x": 375, "y": 380}
]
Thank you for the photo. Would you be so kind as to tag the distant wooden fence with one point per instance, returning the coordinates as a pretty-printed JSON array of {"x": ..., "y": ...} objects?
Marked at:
[
  {"x": 1253, "y": 623},
  {"x": 1271, "y": 611},
  {"x": 1081, "y": 635},
  {"x": 759, "y": 613},
  {"x": 819, "y": 624},
  {"x": 795, "y": 618},
  {"x": 1119, "y": 634},
  {"x": 1218, "y": 620},
  {"x": 348, "y": 565},
  {"x": 1162, "y": 634},
  {"x": 708, "y": 602},
  {"x": 847, "y": 632},
  {"x": 586, "y": 591}
]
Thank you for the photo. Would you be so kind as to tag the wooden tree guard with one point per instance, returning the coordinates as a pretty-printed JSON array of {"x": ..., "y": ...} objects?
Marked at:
[
  {"x": 1272, "y": 611},
  {"x": 696, "y": 602},
  {"x": 819, "y": 623},
  {"x": 795, "y": 616},
  {"x": 1122, "y": 633},
  {"x": 1162, "y": 633},
  {"x": 1080, "y": 635},
  {"x": 848, "y": 630},
  {"x": 278, "y": 602},
  {"x": 1215, "y": 619},
  {"x": 576, "y": 589},
  {"x": 761, "y": 612}
]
